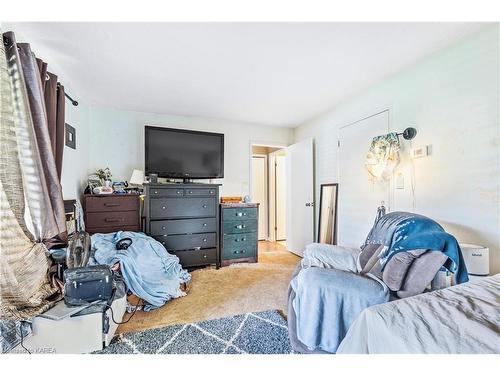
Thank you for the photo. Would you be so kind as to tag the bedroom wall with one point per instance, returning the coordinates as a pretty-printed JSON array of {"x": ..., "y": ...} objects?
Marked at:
[
  {"x": 76, "y": 161},
  {"x": 118, "y": 142},
  {"x": 452, "y": 98}
]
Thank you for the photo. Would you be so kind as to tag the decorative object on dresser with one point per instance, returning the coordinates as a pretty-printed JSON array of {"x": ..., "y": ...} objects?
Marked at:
[
  {"x": 112, "y": 213},
  {"x": 184, "y": 218},
  {"x": 239, "y": 223},
  {"x": 231, "y": 199}
]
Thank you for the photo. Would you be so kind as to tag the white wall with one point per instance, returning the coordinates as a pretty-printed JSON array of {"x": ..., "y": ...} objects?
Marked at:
[
  {"x": 452, "y": 98},
  {"x": 117, "y": 142},
  {"x": 76, "y": 161}
]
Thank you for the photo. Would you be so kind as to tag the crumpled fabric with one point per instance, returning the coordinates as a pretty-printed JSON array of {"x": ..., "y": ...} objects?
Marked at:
[
  {"x": 149, "y": 271},
  {"x": 383, "y": 156}
]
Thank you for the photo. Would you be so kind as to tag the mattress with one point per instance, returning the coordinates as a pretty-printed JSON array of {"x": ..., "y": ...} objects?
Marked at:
[{"x": 461, "y": 319}]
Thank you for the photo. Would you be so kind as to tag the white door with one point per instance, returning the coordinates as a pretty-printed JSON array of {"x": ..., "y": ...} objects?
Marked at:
[
  {"x": 299, "y": 196},
  {"x": 358, "y": 196},
  {"x": 280, "y": 197},
  {"x": 259, "y": 189}
]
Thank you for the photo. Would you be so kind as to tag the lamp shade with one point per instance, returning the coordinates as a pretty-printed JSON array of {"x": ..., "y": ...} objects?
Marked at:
[{"x": 137, "y": 177}]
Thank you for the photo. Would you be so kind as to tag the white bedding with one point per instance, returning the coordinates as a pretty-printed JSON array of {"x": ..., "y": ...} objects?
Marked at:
[{"x": 460, "y": 319}]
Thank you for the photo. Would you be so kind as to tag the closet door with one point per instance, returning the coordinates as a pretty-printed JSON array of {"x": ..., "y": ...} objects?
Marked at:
[{"x": 358, "y": 196}]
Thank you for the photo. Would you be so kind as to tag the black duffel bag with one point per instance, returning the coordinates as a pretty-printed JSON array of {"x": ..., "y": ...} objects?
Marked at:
[{"x": 88, "y": 284}]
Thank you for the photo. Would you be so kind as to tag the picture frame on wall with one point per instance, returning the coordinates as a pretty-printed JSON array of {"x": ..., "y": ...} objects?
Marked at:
[{"x": 70, "y": 136}]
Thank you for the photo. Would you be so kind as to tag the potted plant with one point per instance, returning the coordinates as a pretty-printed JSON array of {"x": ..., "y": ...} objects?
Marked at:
[{"x": 105, "y": 176}]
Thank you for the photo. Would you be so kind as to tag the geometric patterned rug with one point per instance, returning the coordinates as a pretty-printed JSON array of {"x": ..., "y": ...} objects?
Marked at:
[{"x": 253, "y": 333}]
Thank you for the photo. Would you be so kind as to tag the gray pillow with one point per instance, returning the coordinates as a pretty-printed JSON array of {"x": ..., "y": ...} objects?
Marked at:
[
  {"x": 396, "y": 268},
  {"x": 421, "y": 273},
  {"x": 367, "y": 253}
]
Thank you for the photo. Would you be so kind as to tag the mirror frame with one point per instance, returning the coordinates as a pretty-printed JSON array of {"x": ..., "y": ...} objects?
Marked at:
[{"x": 334, "y": 242}]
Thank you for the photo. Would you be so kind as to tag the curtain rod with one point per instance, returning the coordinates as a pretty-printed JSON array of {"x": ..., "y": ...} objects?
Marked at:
[{"x": 73, "y": 101}]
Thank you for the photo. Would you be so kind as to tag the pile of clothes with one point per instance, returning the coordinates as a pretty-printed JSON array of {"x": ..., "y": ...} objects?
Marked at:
[{"x": 149, "y": 272}]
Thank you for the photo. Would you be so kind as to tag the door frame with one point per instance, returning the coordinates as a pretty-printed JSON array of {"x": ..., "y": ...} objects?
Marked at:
[
  {"x": 266, "y": 194},
  {"x": 272, "y": 191},
  {"x": 250, "y": 171}
]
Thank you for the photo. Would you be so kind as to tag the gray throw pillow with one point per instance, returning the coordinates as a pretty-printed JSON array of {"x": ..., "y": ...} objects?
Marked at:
[
  {"x": 397, "y": 267},
  {"x": 421, "y": 273},
  {"x": 367, "y": 253}
]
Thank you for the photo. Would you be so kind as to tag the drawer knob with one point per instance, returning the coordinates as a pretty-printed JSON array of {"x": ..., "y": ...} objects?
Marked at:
[
  {"x": 241, "y": 214},
  {"x": 163, "y": 228},
  {"x": 211, "y": 191},
  {"x": 178, "y": 192},
  {"x": 155, "y": 192},
  {"x": 190, "y": 192},
  {"x": 204, "y": 255},
  {"x": 204, "y": 240},
  {"x": 164, "y": 207},
  {"x": 204, "y": 206},
  {"x": 240, "y": 226},
  {"x": 204, "y": 224}
]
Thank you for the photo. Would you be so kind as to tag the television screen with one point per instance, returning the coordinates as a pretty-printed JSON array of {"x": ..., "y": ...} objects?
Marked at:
[{"x": 177, "y": 153}]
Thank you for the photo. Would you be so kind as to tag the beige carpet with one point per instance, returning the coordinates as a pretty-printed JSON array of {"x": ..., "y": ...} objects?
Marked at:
[{"x": 237, "y": 289}]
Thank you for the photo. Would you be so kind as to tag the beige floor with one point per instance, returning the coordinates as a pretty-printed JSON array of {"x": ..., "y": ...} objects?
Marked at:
[{"x": 237, "y": 289}]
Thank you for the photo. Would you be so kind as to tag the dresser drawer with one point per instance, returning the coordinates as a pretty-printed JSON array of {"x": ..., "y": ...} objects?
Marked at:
[
  {"x": 164, "y": 208},
  {"x": 112, "y": 219},
  {"x": 240, "y": 226},
  {"x": 200, "y": 192},
  {"x": 167, "y": 192},
  {"x": 240, "y": 246},
  {"x": 112, "y": 203},
  {"x": 183, "y": 226},
  {"x": 231, "y": 214},
  {"x": 131, "y": 228},
  {"x": 187, "y": 241},
  {"x": 190, "y": 258}
]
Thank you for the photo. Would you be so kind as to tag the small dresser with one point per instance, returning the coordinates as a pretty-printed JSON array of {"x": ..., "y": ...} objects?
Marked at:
[
  {"x": 112, "y": 213},
  {"x": 239, "y": 224},
  {"x": 184, "y": 218}
]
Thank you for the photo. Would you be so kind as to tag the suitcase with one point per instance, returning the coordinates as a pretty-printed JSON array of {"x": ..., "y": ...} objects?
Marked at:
[{"x": 88, "y": 284}]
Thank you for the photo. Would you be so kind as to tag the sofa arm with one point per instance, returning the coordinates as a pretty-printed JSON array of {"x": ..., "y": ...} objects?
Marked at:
[{"x": 331, "y": 256}]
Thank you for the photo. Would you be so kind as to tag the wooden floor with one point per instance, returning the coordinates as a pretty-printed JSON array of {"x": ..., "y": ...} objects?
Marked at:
[{"x": 233, "y": 290}]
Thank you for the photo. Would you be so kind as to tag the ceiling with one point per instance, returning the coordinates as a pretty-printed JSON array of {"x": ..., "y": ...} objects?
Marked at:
[{"x": 268, "y": 73}]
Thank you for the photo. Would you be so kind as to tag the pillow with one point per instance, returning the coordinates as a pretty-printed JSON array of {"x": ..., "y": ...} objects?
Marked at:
[
  {"x": 397, "y": 267},
  {"x": 421, "y": 273},
  {"x": 367, "y": 253}
]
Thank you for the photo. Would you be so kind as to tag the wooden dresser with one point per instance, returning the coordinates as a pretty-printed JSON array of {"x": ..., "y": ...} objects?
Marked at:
[
  {"x": 239, "y": 225},
  {"x": 112, "y": 213},
  {"x": 184, "y": 218}
]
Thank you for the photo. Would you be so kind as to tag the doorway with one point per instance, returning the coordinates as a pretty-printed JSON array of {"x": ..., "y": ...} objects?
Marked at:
[{"x": 268, "y": 188}]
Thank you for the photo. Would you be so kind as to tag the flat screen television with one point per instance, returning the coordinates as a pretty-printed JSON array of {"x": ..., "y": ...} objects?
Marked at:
[{"x": 186, "y": 154}]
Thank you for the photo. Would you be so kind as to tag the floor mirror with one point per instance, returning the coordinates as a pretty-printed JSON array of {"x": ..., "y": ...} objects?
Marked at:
[{"x": 327, "y": 227}]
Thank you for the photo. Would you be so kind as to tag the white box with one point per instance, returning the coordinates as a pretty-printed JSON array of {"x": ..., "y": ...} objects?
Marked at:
[
  {"x": 477, "y": 259},
  {"x": 79, "y": 334}
]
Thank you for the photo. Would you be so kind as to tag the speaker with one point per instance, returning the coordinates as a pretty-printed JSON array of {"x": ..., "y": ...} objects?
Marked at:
[{"x": 477, "y": 259}]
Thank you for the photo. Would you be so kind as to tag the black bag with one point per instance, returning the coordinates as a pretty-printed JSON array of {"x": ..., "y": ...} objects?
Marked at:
[{"x": 87, "y": 284}]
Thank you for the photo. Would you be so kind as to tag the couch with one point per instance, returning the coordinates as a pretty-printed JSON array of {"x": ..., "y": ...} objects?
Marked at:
[{"x": 334, "y": 284}]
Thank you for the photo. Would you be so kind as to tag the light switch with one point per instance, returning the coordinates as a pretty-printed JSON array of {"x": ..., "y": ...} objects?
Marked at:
[
  {"x": 419, "y": 152},
  {"x": 400, "y": 181}
]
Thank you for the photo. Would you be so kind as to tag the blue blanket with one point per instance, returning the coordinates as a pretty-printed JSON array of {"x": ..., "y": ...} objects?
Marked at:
[
  {"x": 327, "y": 301},
  {"x": 149, "y": 271},
  {"x": 403, "y": 231}
]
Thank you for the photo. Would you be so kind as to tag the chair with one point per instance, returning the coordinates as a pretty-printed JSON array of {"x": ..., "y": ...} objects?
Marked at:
[{"x": 342, "y": 281}]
